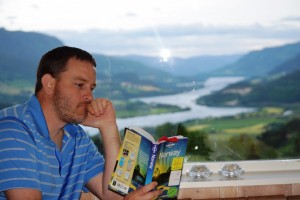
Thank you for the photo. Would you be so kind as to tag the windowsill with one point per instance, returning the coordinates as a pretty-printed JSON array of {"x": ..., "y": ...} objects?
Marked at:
[{"x": 256, "y": 173}]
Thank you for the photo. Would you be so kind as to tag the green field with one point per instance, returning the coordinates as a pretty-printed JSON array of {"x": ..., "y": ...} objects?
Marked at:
[
  {"x": 249, "y": 123},
  {"x": 224, "y": 128},
  {"x": 236, "y": 137}
]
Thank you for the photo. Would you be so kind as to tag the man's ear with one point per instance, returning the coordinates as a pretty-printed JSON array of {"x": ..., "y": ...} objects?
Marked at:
[{"x": 48, "y": 83}]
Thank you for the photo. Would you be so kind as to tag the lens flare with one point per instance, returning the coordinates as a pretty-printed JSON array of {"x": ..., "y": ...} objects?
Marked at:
[{"x": 165, "y": 54}]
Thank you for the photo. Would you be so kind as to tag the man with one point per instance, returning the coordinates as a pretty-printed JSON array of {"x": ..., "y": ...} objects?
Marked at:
[{"x": 44, "y": 153}]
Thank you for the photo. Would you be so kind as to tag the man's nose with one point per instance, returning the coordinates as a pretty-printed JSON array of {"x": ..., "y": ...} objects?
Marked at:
[{"x": 88, "y": 96}]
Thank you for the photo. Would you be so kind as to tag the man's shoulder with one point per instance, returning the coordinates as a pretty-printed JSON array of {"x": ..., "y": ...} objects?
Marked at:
[
  {"x": 11, "y": 127},
  {"x": 21, "y": 110},
  {"x": 12, "y": 118},
  {"x": 13, "y": 111}
]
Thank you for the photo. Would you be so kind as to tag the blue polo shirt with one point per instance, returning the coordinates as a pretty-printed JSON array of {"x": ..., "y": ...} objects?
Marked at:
[{"x": 30, "y": 159}]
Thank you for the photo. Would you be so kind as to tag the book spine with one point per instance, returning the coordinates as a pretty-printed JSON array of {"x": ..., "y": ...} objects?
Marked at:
[{"x": 152, "y": 160}]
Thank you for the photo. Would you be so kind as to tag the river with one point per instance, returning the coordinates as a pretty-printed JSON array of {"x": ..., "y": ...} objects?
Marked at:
[{"x": 183, "y": 100}]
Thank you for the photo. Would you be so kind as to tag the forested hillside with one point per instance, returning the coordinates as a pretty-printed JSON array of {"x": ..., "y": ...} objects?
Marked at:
[
  {"x": 121, "y": 78},
  {"x": 260, "y": 63},
  {"x": 278, "y": 90},
  {"x": 285, "y": 137},
  {"x": 20, "y": 53},
  {"x": 287, "y": 67},
  {"x": 188, "y": 67}
]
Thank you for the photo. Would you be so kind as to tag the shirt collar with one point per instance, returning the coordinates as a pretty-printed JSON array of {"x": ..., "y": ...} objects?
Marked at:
[
  {"x": 37, "y": 114},
  {"x": 39, "y": 120}
]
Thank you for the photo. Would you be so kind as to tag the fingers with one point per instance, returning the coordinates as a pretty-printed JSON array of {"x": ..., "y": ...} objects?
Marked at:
[
  {"x": 151, "y": 195},
  {"x": 147, "y": 188},
  {"x": 98, "y": 106},
  {"x": 144, "y": 192}
]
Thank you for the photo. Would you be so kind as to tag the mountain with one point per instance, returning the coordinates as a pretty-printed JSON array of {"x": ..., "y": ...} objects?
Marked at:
[
  {"x": 135, "y": 76},
  {"x": 287, "y": 67},
  {"x": 276, "y": 90},
  {"x": 20, "y": 53},
  {"x": 186, "y": 66},
  {"x": 260, "y": 63},
  {"x": 128, "y": 78}
]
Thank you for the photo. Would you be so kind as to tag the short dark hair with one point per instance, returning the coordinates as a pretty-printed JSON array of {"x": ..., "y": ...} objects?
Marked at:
[{"x": 55, "y": 61}]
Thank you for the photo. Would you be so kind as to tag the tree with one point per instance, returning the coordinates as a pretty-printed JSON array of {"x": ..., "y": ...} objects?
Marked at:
[
  {"x": 169, "y": 129},
  {"x": 198, "y": 145},
  {"x": 98, "y": 142},
  {"x": 246, "y": 147},
  {"x": 284, "y": 137}
]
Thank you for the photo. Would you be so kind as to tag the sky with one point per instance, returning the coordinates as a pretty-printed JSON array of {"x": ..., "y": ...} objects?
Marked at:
[{"x": 179, "y": 28}]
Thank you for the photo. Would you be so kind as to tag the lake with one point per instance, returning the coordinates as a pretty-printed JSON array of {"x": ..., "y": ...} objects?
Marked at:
[{"x": 183, "y": 100}]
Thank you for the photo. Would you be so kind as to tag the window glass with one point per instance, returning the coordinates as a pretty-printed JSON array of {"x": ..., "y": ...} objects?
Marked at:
[{"x": 225, "y": 73}]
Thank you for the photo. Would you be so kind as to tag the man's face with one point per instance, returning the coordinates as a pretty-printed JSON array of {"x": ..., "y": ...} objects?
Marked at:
[{"x": 73, "y": 91}]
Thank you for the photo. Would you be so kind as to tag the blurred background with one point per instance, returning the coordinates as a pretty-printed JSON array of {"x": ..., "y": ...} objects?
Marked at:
[{"x": 225, "y": 73}]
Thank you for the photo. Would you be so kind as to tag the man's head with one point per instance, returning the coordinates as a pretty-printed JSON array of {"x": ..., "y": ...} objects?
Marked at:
[
  {"x": 66, "y": 78},
  {"x": 55, "y": 62}
]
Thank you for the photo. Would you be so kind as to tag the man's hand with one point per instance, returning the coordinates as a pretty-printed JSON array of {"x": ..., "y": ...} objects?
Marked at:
[
  {"x": 144, "y": 193},
  {"x": 100, "y": 113}
]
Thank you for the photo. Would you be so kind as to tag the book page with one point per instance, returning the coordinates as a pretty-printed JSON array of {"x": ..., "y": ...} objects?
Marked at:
[
  {"x": 143, "y": 133},
  {"x": 132, "y": 163}
]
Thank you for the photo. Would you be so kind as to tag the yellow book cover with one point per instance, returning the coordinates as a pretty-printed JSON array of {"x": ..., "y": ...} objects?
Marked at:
[{"x": 142, "y": 160}]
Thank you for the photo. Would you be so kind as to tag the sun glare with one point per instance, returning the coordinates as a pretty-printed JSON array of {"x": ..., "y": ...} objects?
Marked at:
[{"x": 165, "y": 54}]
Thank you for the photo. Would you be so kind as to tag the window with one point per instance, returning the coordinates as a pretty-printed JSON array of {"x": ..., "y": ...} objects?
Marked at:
[{"x": 224, "y": 73}]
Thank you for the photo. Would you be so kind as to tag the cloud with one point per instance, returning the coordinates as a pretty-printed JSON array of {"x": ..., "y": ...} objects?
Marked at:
[
  {"x": 182, "y": 40},
  {"x": 131, "y": 14},
  {"x": 35, "y": 6},
  {"x": 294, "y": 18}
]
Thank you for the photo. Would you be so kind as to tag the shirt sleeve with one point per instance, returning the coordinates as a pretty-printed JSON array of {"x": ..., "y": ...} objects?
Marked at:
[
  {"x": 18, "y": 163},
  {"x": 95, "y": 163}
]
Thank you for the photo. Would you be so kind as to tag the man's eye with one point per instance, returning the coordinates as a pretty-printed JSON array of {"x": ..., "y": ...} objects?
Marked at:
[{"x": 80, "y": 85}]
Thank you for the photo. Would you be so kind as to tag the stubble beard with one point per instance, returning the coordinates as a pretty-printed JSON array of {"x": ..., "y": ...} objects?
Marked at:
[{"x": 67, "y": 112}]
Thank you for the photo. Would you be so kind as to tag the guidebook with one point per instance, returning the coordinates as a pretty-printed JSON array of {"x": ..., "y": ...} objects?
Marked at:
[{"x": 142, "y": 160}]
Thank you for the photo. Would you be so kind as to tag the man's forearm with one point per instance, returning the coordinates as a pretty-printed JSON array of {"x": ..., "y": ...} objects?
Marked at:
[{"x": 111, "y": 143}]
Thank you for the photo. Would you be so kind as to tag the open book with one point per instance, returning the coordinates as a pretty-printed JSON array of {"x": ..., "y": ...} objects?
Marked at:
[{"x": 142, "y": 160}]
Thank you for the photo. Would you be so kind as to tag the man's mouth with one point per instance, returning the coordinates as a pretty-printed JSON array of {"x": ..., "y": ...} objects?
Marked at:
[{"x": 84, "y": 105}]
